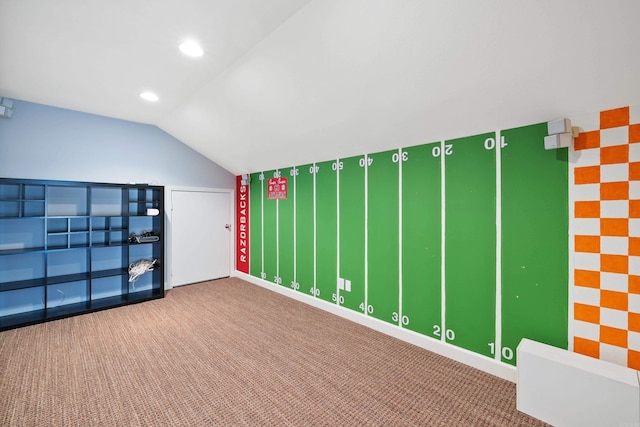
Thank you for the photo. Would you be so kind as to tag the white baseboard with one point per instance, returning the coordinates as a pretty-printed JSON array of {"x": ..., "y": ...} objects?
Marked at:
[{"x": 458, "y": 354}]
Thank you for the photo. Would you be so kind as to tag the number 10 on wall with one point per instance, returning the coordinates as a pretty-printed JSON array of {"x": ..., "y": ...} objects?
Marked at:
[{"x": 507, "y": 353}]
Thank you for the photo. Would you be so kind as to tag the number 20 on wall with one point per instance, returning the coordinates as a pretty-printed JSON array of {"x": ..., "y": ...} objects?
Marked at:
[{"x": 448, "y": 333}]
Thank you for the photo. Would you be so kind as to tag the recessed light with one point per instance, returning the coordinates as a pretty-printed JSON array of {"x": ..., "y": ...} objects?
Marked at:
[
  {"x": 191, "y": 48},
  {"x": 149, "y": 96}
]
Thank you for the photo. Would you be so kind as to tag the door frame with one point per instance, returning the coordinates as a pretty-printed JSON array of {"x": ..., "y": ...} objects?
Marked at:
[{"x": 168, "y": 197}]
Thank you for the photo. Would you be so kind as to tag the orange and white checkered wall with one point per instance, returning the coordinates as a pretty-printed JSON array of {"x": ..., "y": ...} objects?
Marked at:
[{"x": 605, "y": 194}]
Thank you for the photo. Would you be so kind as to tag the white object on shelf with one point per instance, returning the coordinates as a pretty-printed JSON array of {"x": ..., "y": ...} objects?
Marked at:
[
  {"x": 558, "y": 126},
  {"x": 560, "y": 140}
]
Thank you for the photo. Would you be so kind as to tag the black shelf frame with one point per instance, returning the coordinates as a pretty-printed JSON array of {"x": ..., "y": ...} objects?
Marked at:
[{"x": 70, "y": 225}]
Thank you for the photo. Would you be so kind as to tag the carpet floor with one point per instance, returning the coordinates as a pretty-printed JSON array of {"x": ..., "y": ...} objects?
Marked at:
[{"x": 229, "y": 353}]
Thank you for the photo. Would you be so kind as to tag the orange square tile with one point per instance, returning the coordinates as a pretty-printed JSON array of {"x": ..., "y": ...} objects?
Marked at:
[
  {"x": 586, "y": 140},
  {"x": 634, "y": 246},
  {"x": 614, "y": 300},
  {"x": 634, "y": 133},
  {"x": 587, "y": 244},
  {"x": 586, "y": 313},
  {"x": 586, "y": 175},
  {"x": 634, "y": 322},
  {"x": 615, "y": 154},
  {"x": 634, "y": 208},
  {"x": 614, "y": 264},
  {"x": 614, "y": 190},
  {"x": 589, "y": 209},
  {"x": 587, "y": 279},
  {"x": 613, "y": 336},
  {"x": 634, "y": 284},
  {"x": 614, "y": 227},
  {"x": 633, "y": 359},
  {"x": 634, "y": 171},
  {"x": 614, "y": 118},
  {"x": 586, "y": 347}
]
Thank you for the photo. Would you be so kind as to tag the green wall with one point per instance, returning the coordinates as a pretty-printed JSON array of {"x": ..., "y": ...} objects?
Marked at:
[
  {"x": 352, "y": 232},
  {"x": 535, "y": 214},
  {"x": 464, "y": 241},
  {"x": 470, "y": 243},
  {"x": 422, "y": 240},
  {"x": 304, "y": 240},
  {"x": 269, "y": 232},
  {"x": 286, "y": 263},
  {"x": 326, "y": 230},
  {"x": 383, "y": 295}
]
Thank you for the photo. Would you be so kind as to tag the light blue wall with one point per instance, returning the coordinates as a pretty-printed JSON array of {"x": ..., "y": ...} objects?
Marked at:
[{"x": 43, "y": 142}]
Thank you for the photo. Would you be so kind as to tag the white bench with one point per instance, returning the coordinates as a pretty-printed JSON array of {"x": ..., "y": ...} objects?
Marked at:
[{"x": 564, "y": 388}]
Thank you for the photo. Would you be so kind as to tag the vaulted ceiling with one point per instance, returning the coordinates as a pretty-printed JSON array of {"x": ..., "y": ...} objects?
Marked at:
[{"x": 287, "y": 82}]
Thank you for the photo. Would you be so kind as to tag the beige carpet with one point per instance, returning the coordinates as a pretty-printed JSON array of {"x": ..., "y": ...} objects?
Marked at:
[{"x": 228, "y": 353}]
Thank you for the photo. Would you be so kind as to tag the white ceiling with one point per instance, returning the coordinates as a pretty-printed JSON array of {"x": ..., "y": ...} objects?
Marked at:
[{"x": 286, "y": 82}]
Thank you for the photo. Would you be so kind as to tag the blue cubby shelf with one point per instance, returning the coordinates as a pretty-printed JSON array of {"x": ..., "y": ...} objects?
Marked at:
[{"x": 65, "y": 249}]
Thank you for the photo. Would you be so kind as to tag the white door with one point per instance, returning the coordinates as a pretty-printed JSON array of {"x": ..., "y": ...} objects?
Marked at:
[{"x": 200, "y": 236}]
